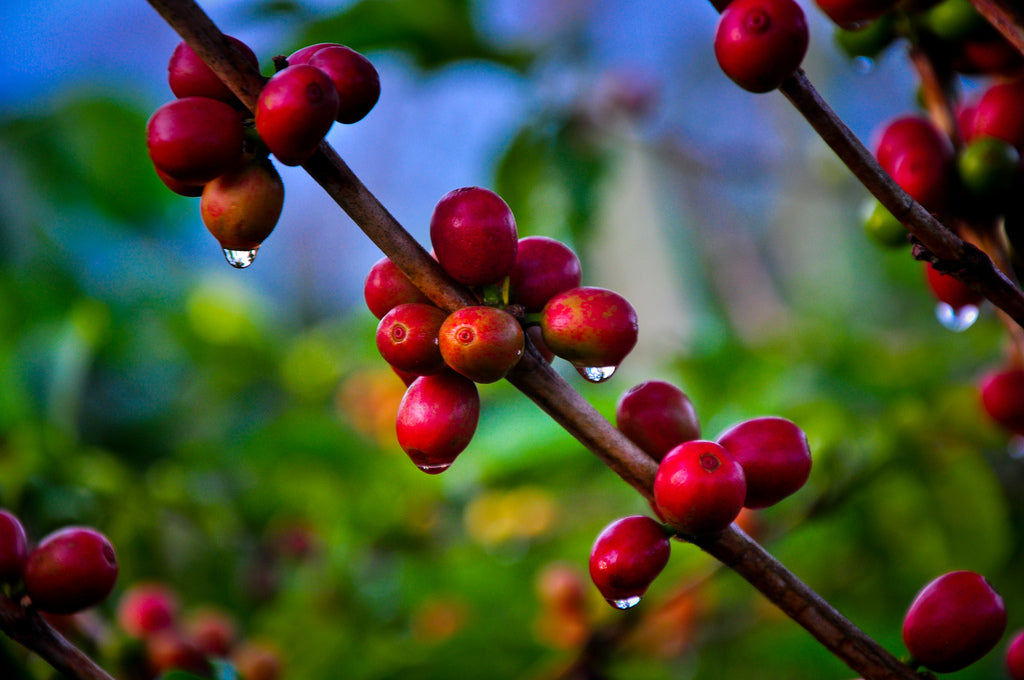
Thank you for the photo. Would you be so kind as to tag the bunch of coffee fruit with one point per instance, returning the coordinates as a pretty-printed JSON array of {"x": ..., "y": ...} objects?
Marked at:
[
  {"x": 531, "y": 282},
  {"x": 204, "y": 143}
]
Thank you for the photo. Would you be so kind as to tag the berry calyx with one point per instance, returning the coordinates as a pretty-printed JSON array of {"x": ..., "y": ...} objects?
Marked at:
[
  {"x": 407, "y": 338},
  {"x": 189, "y": 76},
  {"x": 626, "y": 557},
  {"x": 13, "y": 547},
  {"x": 194, "y": 139},
  {"x": 699, "y": 488},
  {"x": 474, "y": 236},
  {"x": 657, "y": 416},
  {"x": 70, "y": 570},
  {"x": 241, "y": 207},
  {"x": 437, "y": 419},
  {"x": 354, "y": 77},
  {"x": 1002, "y": 397},
  {"x": 592, "y": 328},
  {"x": 294, "y": 111},
  {"x": 760, "y": 43},
  {"x": 543, "y": 268},
  {"x": 386, "y": 287},
  {"x": 774, "y": 455},
  {"x": 482, "y": 343}
]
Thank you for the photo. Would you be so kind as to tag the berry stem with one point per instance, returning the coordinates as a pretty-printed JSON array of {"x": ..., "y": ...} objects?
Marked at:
[{"x": 1006, "y": 17}]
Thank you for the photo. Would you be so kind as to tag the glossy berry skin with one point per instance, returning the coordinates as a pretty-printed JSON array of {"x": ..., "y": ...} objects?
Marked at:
[
  {"x": 70, "y": 570},
  {"x": 303, "y": 54},
  {"x": 354, "y": 77},
  {"x": 954, "y": 621},
  {"x": 407, "y": 338},
  {"x": 1002, "y": 397},
  {"x": 13, "y": 547},
  {"x": 589, "y": 327},
  {"x": 386, "y": 287},
  {"x": 482, "y": 343},
  {"x": 774, "y": 455},
  {"x": 853, "y": 14},
  {"x": 997, "y": 113},
  {"x": 544, "y": 267},
  {"x": 437, "y": 419},
  {"x": 189, "y": 76},
  {"x": 147, "y": 608},
  {"x": 241, "y": 207},
  {"x": 1015, "y": 656},
  {"x": 194, "y": 139},
  {"x": 760, "y": 43},
  {"x": 699, "y": 488},
  {"x": 949, "y": 289},
  {"x": 905, "y": 133},
  {"x": 294, "y": 111},
  {"x": 657, "y": 416},
  {"x": 474, "y": 236},
  {"x": 919, "y": 157},
  {"x": 627, "y": 556}
]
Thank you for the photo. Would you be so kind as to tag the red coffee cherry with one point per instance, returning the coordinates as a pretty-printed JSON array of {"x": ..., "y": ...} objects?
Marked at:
[
  {"x": 951, "y": 290},
  {"x": 189, "y": 76},
  {"x": 919, "y": 157},
  {"x": 294, "y": 111},
  {"x": 997, "y": 113},
  {"x": 212, "y": 631},
  {"x": 543, "y": 268},
  {"x": 302, "y": 55},
  {"x": 954, "y": 621},
  {"x": 407, "y": 338},
  {"x": 699, "y": 488},
  {"x": 760, "y": 43},
  {"x": 241, "y": 208},
  {"x": 180, "y": 188},
  {"x": 1015, "y": 656},
  {"x": 437, "y": 418},
  {"x": 257, "y": 661},
  {"x": 853, "y": 14},
  {"x": 657, "y": 416},
  {"x": 1002, "y": 397},
  {"x": 626, "y": 557},
  {"x": 70, "y": 570},
  {"x": 906, "y": 133},
  {"x": 194, "y": 139},
  {"x": 774, "y": 455},
  {"x": 592, "y": 328},
  {"x": 13, "y": 547},
  {"x": 147, "y": 608},
  {"x": 386, "y": 287},
  {"x": 354, "y": 77},
  {"x": 170, "y": 650},
  {"x": 474, "y": 236},
  {"x": 481, "y": 343}
]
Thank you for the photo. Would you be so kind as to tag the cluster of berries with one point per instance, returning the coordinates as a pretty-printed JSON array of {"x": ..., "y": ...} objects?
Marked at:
[
  {"x": 532, "y": 282},
  {"x": 204, "y": 143}
]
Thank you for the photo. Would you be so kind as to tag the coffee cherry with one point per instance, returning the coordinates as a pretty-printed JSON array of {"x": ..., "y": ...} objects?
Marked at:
[
  {"x": 699, "y": 488},
  {"x": 194, "y": 139},
  {"x": 760, "y": 43},
  {"x": 906, "y": 133},
  {"x": 474, "y": 236},
  {"x": 997, "y": 113},
  {"x": 387, "y": 286},
  {"x": 241, "y": 207},
  {"x": 774, "y": 455},
  {"x": 257, "y": 661},
  {"x": 919, "y": 158},
  {"x": 852, "y": 14},
  {"x": 866, "y": 41},
  {"x": 437, "y": 418},
  {"x": 212, "y": 631},
  {"x": 1002, "y": 397},
  {"x": 407, "y": 338},
  {"x": 883, "y": 228},
  {"x": 147, "y": 608},
  {"x": 1015, "y": 656},
  {"x": 657, "y": 416},
  {"x": 294, "y": 111},
  {"x": 170, "y": 650},
  {"x": 303, "y": 55},
  {"x": 626, "y": 557},
  {"x": 13, "y": 547},
  {"x": 189, "y": 76},
  {"x": 951, "y": 290},
  {"x": 70, "y": 570},
  {"x": 954, "y": 621},
  {"x": 481, "y": 343},
  {"x": 953, "y": 20},
  {"x": 354, "y": 77},
  {"x": 180, "y": 188},
  {"x": 592, "y": 328},
  {"x": 987, "y": 167},
  {"x": 543, "y": 268}
]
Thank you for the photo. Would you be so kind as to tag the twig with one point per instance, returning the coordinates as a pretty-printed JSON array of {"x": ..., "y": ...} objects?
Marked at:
[{"x": 1006, "y": 17}]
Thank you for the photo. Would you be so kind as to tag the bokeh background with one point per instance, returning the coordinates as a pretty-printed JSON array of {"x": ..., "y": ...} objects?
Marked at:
[{"x": 232, "y": 430}]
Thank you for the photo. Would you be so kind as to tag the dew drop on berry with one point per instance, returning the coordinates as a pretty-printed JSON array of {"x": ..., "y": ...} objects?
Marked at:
[
  {"x": 626, "y": 603},
  {"x": 434, "y": 468},
  {"x": 240, "y": 259},
  {"x": 596, "y": 374},
  {"x": 956, "y": 320}
]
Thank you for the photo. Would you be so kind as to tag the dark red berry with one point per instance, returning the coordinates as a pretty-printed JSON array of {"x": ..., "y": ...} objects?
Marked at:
[
  {"x": 437, "y": 418},
  {"x": 180, "y": 188},
  {"x": 13, "y": 547},
  {"x": 544, "y": 267},
  {"x": 294, "y": 111},
  {"x": 852, "y": 14},
  {"x": 303, "y": 54},
  {"x": 474, "y": 236},
  {"x": 592, "y": 328},
  {"x": 774, "y": 455},
  {"x": 241, "y": 207},
  {"x": 482, "y": 343},
  {"x": 386, "y": 287},
  {"x": 951, "y": 290},
  {"x": 1015, "y": 656},
  {"x": 906, "y": 133},
  {"x": 354, "y": 77},
  {"x": 954, "y": 621},
  {"x": 699, "y": 488},
  {"x": 919, "y": 157},
  {"x": 626, "y": 557},
  {"x": 760, "y": 43},
  {"x": 194, "y": 139},
  {"x": 189, "y": 76},
  {"x": 657, "y": 416},
  {"x": 407, "y": 338},
  {"x": 70, "y": 570},
  {"x": 1002, "y": 397},
  {"x": 147, "y": 608}
]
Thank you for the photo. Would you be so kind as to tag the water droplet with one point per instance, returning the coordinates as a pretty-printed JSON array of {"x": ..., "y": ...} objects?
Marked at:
[
  {"x": 434, "y": 468},
  {"x": 596, "y": 374},
  {"x": 240, "y": 259},
  {"x": 863, "y": 65},
  {"x": 626, "y": 603},
  {"x": 956, "y": 320}
]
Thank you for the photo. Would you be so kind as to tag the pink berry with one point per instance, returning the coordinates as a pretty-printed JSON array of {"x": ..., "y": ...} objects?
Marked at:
[
  {"x": 626, "y": 557},
  {"x": 70, "y": 570},
  {"x": 544, "y": 267},
  {"x": 774, "y": 455},
  {"x": 407, "y": 338},
  {"x": 699, "y": 488},
  {"x": 147, "y": 608},
  {"x": 592, "y": 328},
  {"x": 354, "y": 77},
  {"x": 437, "y": 419},
  {"x": 1002, "y": 397},
  {"x": 474, "y": 236},
  {"x": 386, "y": 287},
  {"x": 760, "y": 43},
  {"x": 294, "y": 111},
  {"x": 657, "y": 416},
  {"x": 1015, "y": 656},
  {"x": 240, "y": 208},
  {"x": 189, "y": 76},
  {"x": 194, "y": 139},
  {"x": 482, "y": 343},
  {"x": 13, "y": 547}
]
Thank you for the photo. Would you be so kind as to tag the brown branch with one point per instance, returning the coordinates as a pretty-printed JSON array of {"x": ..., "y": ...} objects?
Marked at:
[
  {"x": 28, "y": 628},
  {"x": 1006, "y": 17}
]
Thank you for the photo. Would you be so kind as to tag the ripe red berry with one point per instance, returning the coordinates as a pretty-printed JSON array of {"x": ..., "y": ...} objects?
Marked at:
[
  {"x": 657, "y": 416},
  {"x": 212, "y": 631},
  {"x": 997, "y": 113},
  {"x": 954, "y": 621},
  {"x": 853, "y": 14},
  {"x": 70, "y": 570},
  {"x": 147, "y": 608},
  {"x": 543, "y": 268},
  {"x": 760, "y": 43},
  {"x": 699, "y": 488},
  {"x": 354, "y": 77},
  {"x": 626, "y": 557},
  {"x": 437, "y": 418},
  {"x": 294, "y": 111},
  {"x": 241, "y": 207},
  {"x": 189, "y": 76},
  {"x": 592, "y": 328},
  {"x": 774, "y": 455},
  {"x": 180, "y": 188},
  {"x": 482, "y": 343},
  {"x": 194, "y": 139},
  {"x": 906, "y": 133},
  {"x": 474, "y": 236},
  {"x": 951, "y": 290},
  {"x": 302, "y": 55},
  {"x": 1015, "y": 656},
  {"x": 1002, "y": 397},
  {"x": 386, "y": 287},
  {"x": 407, "y": 338},
  {"x": 919, "y": 157},
  {"x": 13, "y": 547},
  {"x": 170, "y": 650}
]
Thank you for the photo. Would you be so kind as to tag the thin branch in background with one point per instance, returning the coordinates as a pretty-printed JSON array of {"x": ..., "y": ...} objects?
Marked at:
[{"x": 1007, "y": 17}]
